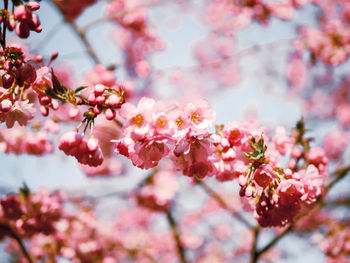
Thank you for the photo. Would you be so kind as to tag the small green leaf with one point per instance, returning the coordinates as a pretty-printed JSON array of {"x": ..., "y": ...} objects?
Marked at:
[
  {"x": 80, "y": 90},
  {"x": 24, "y": 191},
  {"x": 57, "y": 87}
]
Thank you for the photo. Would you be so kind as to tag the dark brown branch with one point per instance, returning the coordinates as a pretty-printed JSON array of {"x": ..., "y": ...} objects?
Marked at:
[
  {"x": 176, "y": 235},
  {"x": 4, "y": 24},
  {"x": 13, "y": 235},
  {"x": 254, "y": 254}
]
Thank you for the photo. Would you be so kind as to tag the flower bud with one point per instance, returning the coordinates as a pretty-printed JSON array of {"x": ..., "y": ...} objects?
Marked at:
[
  {"x": 110, "y": 114},
  {"x": 7, "y": 80},
  {"x": 6, "y": 105}
]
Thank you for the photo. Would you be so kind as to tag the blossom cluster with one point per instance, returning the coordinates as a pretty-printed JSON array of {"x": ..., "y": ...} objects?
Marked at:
[{"x": 24, "y": 20}]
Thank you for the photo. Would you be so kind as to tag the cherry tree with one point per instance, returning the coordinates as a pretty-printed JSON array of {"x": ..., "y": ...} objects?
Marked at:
[{"x": 237, "y": 182}]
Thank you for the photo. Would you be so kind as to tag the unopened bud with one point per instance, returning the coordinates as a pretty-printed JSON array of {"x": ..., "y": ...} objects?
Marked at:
[
  {"x": 110, "y": 114},
  {"x": 6, "y": 105},
  {"x": 7, "y": 80}
]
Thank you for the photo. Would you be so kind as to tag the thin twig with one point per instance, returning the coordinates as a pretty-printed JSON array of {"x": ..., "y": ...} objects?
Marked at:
[
  {"x": 3, "y": 40},
  {"x": 18, "y": 240},
  {"x": 223, "y": 204},
  {"x": 81, "y": 34},
  {"x": 254, "y": 253},
  {"x": 176, "y": 235}
]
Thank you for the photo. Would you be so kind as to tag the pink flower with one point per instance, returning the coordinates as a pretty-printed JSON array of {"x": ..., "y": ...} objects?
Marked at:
[
  {"x": 313, "y": 182},
  {"x": 21, "y": 111},
  {"x": 264, "y": 175},
  {"x": 199, "y": 114},
  {"x": 72, "y": 143},
  {"x": 149, "y": 151}
]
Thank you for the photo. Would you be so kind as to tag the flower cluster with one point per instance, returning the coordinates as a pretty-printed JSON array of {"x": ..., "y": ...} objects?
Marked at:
[
  {"x": 26, "y": 20},
  {"x": 331, "y": 44},
  {"x": 18, "y": 140},
  {"x": 153, "y": 130},
  {"x": 85, "y": 151},
  {"x": 29, "y": 214}
]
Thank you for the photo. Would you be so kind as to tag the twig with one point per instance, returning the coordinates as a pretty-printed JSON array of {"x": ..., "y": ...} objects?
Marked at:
[
  {"x": 254, "y": 253},
  {"x": 18, "y": 240},
  {"x": 3, "y": 40},
  {"x": 179, "y": 246},
  {"x": 223, "y": 204},
  {"x": 81, "y": 34}
]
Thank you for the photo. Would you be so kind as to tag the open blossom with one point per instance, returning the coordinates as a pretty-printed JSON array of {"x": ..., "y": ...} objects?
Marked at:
[
  {"x": 75, "y": 145},
  {"x": 199, "y": 114},
  {"x": 193, "y": 155},
  {"x": 264, "y": 175},
  {"x": 313, "y": 181},
  {"x": 150, "y": 151},
  {"x": 21, "y": 111}
]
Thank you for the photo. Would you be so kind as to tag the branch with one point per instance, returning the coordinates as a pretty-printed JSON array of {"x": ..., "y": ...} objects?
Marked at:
[
  {"x": 18, "y": 240},
  {"x": 3, "y": 40},
  {"x": 254, "y": 253},
  {"x": 179, "y": 246},
  {"x": 223, "y": 204},
  {"x": 81, "y": 34}
]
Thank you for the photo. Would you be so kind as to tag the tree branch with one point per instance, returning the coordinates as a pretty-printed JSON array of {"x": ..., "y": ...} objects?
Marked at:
[
  {"x": 82, "y": 36},
  {"x": 176, "y": 235},
  {"x": 223, "y": 204},
  {"x": 18, "y": 240}
]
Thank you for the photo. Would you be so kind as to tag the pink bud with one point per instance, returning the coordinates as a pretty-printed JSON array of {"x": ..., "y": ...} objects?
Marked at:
[
  {"x": 54, "y": 104},
  {"x": 110, "y": 114},
  {"x": 97, "y": 109},
  {"x": 21, "y": 13},
  {"x": 54, "y": 55},
  {"x": 44, "y": 100},
  {"x": 92, "y": 144},
  {"x": 99, "y": 89},
  {"x": 100, "y": 99},
  {"x": 6, "y": 105},
  {"x": 249, "y": 191},
  {"x": 38, "y": 59},
  {"x": 33, "y": 6},
  {"x": 242, "y": 180},
  {"x": 113, "y": 100},
  {"x": 44, "y": 111},
  {"x": 27, "y": 73},
  {"x": 22, "y": 30},
  {"x": 73, "y": 112},
  {"x": 7, "y": 80},
  {"x": 92, "y": 98},
  {"x": 12, "y": 23}
]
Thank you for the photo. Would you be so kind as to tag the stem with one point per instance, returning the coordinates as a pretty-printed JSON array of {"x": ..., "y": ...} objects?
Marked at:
[
  {"x": 3, "y": 40},
  {"x": 18, "y": 240},
  {"x": 81, "y": 34},
  {"x": 179, "y": 246},
  {"x": 254, "y": 254},
  {"x": 223, "y": 204},
  {"x": 273, "y": 242}
]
